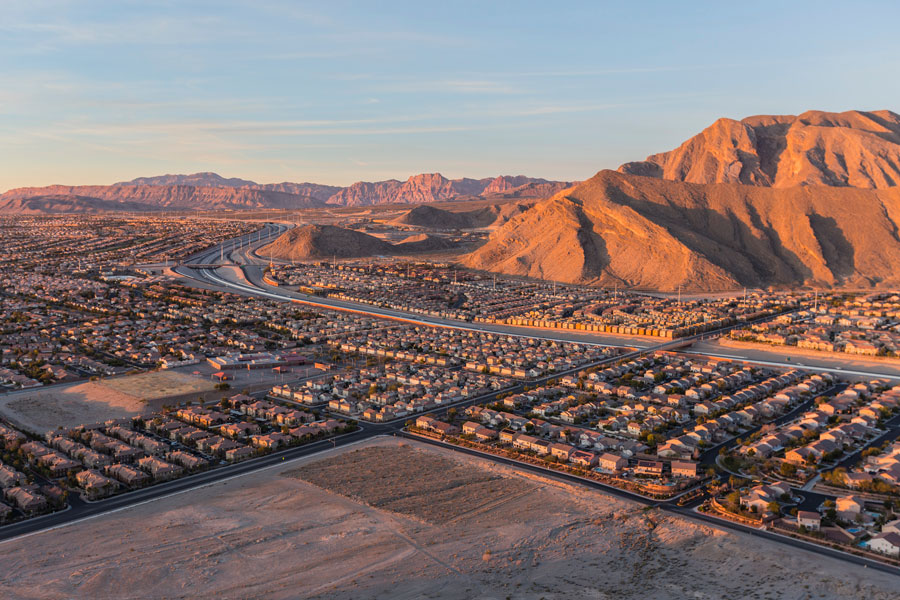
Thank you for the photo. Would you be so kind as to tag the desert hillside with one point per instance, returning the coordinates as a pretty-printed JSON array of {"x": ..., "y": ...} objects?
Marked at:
[
  {"x": 324, "y": 241},
  {"x": 849, "y": 149},
  {"x": 651, "y": 233},
  {"x": 328, "y": 241},
  {"x": 430, "y": 217}
]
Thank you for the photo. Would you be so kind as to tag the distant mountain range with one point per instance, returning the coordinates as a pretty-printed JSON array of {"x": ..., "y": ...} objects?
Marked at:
[
  {"x": 769, "y": 200},
  {"x": 210, "y": 191}
]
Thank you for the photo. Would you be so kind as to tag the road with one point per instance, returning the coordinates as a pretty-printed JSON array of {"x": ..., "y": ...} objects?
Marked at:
[
  {"x": 239, "y": 249},
  {"x": 775, "y": 356}
]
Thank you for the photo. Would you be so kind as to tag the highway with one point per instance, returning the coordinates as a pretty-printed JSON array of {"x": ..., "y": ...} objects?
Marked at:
[
  {"x": 241, "y": 254},
  {"x": 216, "y": 278}
]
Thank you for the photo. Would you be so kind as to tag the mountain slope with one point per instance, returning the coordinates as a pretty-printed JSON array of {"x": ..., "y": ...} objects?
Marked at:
[
  {"x": 328, "y": 241},
  {"x": 65, "y": 204},
  {"x": 429, "y": 217},
  {"x": 153, "y": 197},
  {"x": 849, "y": 149},
  {"x": 654, "y": 234}
]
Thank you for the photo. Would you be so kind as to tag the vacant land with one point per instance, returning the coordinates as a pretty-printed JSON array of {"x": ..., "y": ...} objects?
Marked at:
[
  {"x": 42, "y": 409},
  {"x": 273, "y": 535},
  {"x": 158, "y": 385},
  {"x": 429, "y": 487}
]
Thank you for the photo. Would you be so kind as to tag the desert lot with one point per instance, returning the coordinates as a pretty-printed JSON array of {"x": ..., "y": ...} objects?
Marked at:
[
  {"x": 41, "y": 409},
  {"x": 397, "y": 520}
]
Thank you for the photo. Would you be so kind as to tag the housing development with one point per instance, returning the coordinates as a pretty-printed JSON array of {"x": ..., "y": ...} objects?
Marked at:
[{"x": 145, "y": 367}]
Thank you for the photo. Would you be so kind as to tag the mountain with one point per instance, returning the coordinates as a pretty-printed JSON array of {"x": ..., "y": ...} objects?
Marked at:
[
  {"x": 532, "y": 190},
  {"x": 128, "y": 197},
  {"x": 427, "y": 188},
  {"x": 324, "y": 241},
  {"x": 328, "y": 241},
  {"x": 213, "y": 180},
  {"x": 850, "y": 149},
  {"x": 313, "y": 191},
  {"x": 65, "y": 204},
  {"x": 650, "y": 233},
  {"x": 430, "y": 217},
  {"x": 364, "y": 193},
  {"x": 210, "y": 191},
  {"x": 505, "y": 183}
]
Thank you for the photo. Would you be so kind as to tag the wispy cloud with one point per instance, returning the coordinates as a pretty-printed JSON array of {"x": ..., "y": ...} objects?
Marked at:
[{"x": 47, "y": 33}]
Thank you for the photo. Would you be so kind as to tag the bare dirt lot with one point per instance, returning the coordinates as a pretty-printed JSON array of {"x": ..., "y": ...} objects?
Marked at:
[
  {"x": 157, "y": 385},
  {"x": 272, "y": 535},
  {"x": 445, "y": 490},
  {"x": 43, "y": 409}
]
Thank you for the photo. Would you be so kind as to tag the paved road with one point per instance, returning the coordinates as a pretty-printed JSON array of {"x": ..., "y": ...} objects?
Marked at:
[{"x": 846, "y": 365}]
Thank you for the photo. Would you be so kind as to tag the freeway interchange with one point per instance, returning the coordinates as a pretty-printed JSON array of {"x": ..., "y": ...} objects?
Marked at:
[{"x": 234, "y": 267}]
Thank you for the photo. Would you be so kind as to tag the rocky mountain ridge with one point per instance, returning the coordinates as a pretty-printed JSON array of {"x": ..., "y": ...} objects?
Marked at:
[
  {"x": 651, "y": 233},
  {"x": 210, "y": 191},
  {"x": 849, "y": 149}
]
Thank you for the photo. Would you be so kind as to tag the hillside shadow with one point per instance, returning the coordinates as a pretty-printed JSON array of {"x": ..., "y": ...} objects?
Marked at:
[
  {"x": 593, "y": 245},
  {"x": 728, "y": 242},
  {"x": 837, "y": 251},
  {"x": 770, "y": 144}
]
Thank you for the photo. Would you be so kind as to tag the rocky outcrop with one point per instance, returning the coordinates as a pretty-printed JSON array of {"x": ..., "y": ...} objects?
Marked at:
[{"x": 849, "y": 149}]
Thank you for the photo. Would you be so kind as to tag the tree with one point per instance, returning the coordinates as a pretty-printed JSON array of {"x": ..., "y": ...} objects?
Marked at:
[
  {"x": 733, "y": 501},
  {"x": 788, "y": 469},
  {"x": 774, "y": 507}
]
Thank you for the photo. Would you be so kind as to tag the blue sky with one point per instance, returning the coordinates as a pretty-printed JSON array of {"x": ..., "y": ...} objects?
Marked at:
[{"x": 336, "y": 92}]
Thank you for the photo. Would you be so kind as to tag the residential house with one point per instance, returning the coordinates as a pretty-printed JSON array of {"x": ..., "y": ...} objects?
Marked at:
[
  {"x": 612, "y": 462},
  {"x": 809, "y": 519}
]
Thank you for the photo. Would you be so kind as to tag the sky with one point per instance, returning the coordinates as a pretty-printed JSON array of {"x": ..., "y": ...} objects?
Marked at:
[{"x": 335, "y": 92}]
